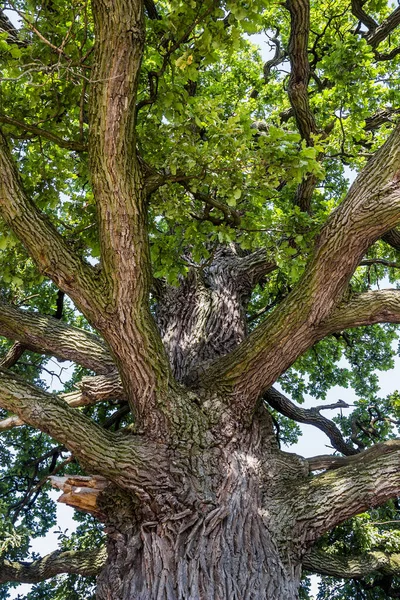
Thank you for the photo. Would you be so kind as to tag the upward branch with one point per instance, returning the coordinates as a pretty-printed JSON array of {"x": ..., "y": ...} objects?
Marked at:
[
  {"x": 54, "y": 257},
  {"x": 371, "y": 207},
  {"x": 118, "y": 187}
]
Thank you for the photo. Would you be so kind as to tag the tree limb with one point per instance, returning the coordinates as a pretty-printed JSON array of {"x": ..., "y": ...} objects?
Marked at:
[
  {"x": 68, "y": 144},
  {"x": 352, "y": 567},
  {"x": 255, "y": 266},
  {"x": 79, "y": 562},
  {"x": 46, "y": 246},
  {"x": 371, "y": 207},
  {"x": 359, "y": 12},
  {"x": 48, "y": 335},
  {"x": 366, "y": 480},
  {"x": 378, "y": 306},
  {"x": 381, "y": 32},
  {"x": 300, "y": 67},
  {"x": 311, "y": 416},
  {"x": 123, "y": 459},
  {"x": 118, "y": 185},
  {"x": 91, "y": 390}
]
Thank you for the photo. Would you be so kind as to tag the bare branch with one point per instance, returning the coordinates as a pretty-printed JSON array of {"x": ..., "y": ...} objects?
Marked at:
[
  {"x": 352, "y": 567},
  {"x": 359, "y": 12},
  {"x": 311, "y": 416},
  {"x": 48, "y": 335},
  {"x": 79, "y": 562},
  {"x": 12, "y": 356},
  {"x": 386, "y": 115},
  {"x": 37, "y": 131},
  {"x": 91, "y": 390}
]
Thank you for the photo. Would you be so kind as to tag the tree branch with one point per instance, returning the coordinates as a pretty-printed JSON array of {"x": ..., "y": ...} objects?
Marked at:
[
  {"x": 118, "y": 185},
  {"x": 300, "y": 67},
  {"x": 122, "y": 458},
  {"x": 46, "y": 246},
  {"x": 352, "y": 567},
  {"x": 91, "y": 391},
  {"x": 79, "y": 562},
  {"x": 359, "y": 12},
  {"x": 378, "y": 306},
  {"x": 68, "y": 144},
  {"x": 48, "y": 335},
  {"x": 381, "y": 32},
  {"x": 255, "y": 266},
  {"x": 366, "y": 480},
  {"x": 311, "y": 416},
  {"x": 371, "y": 207}
]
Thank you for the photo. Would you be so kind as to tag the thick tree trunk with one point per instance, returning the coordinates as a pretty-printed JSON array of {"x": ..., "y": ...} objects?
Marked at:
[{"x": 218, "y": 534}]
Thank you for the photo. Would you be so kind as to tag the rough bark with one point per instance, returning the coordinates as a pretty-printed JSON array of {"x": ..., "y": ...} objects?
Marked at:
[
  {"x": 352, "y": 567},
  {"x": 118, "y": 186},
  {"x": 48, "y": 335},
  {"x": 198, "y": 500},
  {"x": 216, "y": 541},
  {"x": 86, "y": 563}
]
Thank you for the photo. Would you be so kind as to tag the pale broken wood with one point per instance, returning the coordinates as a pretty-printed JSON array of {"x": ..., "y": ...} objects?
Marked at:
[{"x": 81, "y": 492}]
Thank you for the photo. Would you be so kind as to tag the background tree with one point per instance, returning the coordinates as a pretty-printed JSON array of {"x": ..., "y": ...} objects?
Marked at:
[{"x": 176, "y": 222}]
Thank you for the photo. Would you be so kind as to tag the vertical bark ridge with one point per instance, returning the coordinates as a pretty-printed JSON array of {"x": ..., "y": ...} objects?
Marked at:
[
  {"x": 205, "y": 316},
  {"x": 120, "y": 199}
]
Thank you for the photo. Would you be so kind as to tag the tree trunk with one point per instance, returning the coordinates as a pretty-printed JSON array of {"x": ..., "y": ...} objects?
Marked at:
[{"x": 219, "y": 533}]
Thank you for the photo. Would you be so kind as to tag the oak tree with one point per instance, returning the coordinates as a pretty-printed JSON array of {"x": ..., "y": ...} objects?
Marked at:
[{"x": 177, "y": 223}]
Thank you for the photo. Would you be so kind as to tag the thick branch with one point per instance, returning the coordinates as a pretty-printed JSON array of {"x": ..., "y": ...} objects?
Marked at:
[
  {"x": 371, "y": 207},
  {"x": 118, "y": 186},
  {"x": 386, "y": 115},
  {"x": 379, "y": 306},
  {"x": 381, "y": 32},
  {"x": 124, "y": 459},
  {"x": 46, "y": 246},
  {"x": 68, "y": 144},
  {"x": 367, "y": 480},
  {"x": 79, "y": 562},
  {"x": 352, "y": 567},
  {"x": 311, "y": 416},
  {"x": 300, "y": 67},
  {"x": 50, "y": 336},
  {"x": 91, "y": 390},
  {"x": 359, "y": 12},
  {"x": 255, "y": 266}
]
